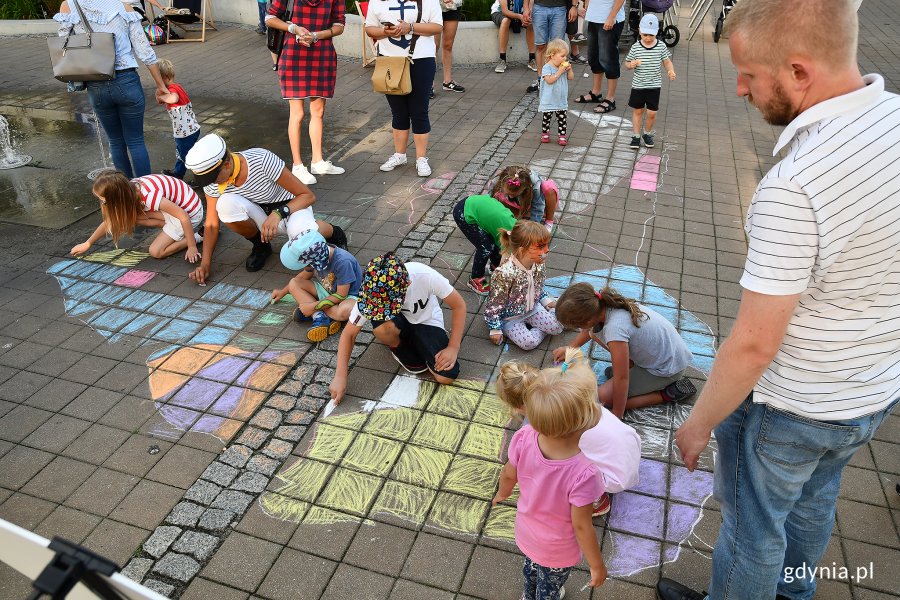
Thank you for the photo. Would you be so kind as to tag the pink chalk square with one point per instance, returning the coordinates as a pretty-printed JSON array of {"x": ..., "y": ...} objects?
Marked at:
[
  {"x": 135, "y": 278},
  {"x": 645, "y": 175}
]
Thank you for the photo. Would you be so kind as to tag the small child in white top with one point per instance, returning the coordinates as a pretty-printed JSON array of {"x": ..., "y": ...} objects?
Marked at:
[
  {"x": 609, "y": 443},
  {"x": 555, "y": 76},
  {"x": 185, "y": 126}
]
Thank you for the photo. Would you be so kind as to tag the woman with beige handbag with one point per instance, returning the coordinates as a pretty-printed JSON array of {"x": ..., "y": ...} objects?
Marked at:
[
  {"x": 401, "y": 28},
  {"x": 119, "y": 102}
]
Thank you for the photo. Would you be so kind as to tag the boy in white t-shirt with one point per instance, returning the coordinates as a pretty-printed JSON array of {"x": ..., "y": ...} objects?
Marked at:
[
  {"x": 185, "y": 126},
  {"x": 402, "y": 301}
]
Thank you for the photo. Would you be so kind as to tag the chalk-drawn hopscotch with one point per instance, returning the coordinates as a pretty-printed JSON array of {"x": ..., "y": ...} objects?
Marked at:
[
  {"x": 209, "y": 375},
  {"x": 431, "y": 455}
]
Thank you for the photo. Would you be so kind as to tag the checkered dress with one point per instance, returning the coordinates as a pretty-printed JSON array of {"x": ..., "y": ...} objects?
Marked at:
[{"x": 309, "y": 72}]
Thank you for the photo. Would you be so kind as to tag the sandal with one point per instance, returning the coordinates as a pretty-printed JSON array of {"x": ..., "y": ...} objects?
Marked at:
[
  {"x": 583, "y": 99},
  {"x": 606, "y": 105}
]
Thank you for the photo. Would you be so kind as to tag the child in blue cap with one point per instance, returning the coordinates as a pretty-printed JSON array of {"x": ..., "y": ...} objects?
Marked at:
[{"x": 325, "y": 287}]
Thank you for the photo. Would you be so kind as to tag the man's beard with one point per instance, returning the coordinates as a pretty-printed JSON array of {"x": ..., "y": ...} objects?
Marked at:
[{"x": 778, "y": 111}]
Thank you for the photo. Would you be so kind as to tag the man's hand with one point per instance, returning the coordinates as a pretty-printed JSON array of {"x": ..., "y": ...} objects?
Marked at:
[
  {"x": 269, "y": 229},
  {"x": 337, "y": 389},
  {"x": 573, "y": 13},
  {"x": 692, "y": 439},
  {"x": 445, "y": 359},
  {"x": 200, "y": 274},
  {"x": 609, "y": 23}
]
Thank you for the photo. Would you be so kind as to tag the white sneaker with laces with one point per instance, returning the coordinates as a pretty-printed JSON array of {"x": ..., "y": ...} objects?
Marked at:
[
  {"x": 422, "y": 167},
  {"x": 393, "y": 162},
  {"x": 501, "y": 67},
  {"x": 532, "y": 65},
  {"x": 300, "y": 172},
  {"x": 324, "y": 167}
]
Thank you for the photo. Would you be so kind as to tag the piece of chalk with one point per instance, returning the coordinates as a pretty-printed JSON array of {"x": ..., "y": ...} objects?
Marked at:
[
  {"x": 330, "y": 408},
  {"x": 271, "y": 302},
  {"x": 202, "y": 284},
  {"x": 586, "y": 586}
]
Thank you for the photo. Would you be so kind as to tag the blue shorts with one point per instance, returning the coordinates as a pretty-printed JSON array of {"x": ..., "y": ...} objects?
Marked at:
[{"x": 549, "y": 23}]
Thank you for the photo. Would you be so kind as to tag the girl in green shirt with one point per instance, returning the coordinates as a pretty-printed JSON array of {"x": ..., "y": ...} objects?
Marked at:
[{"x": 481, "y": 219}]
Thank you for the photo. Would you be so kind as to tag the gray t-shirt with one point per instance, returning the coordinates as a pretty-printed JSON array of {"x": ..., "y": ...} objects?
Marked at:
[{"x": 655, "y": 345}]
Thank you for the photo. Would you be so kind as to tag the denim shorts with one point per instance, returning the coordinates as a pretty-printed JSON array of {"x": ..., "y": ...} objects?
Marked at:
[{"x": 549, "y": 23}]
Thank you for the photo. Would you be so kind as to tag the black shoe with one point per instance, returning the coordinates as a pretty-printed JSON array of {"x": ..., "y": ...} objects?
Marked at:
[
  {"x": 171, "y": 173},
  {"x": 338, "y": 238},
  {"x": 431, "y": 96},
  {"x": 608, "y": 372},
  {"x": 635, "y": 142},
  {"x": 257, "y": 258},
  {"x": 534, "y": 86},
  {"x": 452, "y": 86},
  {"x": 261, "y": 30},
  {"x": 680, "y": 390},
  {"x": 667, "y": 589},
  {"x": 408, "y": 359}
]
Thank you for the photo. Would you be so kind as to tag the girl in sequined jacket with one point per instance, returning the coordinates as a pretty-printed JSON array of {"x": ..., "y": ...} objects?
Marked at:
[{"x": 517, "y": 307}]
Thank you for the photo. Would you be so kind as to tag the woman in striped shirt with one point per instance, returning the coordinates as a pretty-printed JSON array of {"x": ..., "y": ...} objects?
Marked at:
[{"x": 157, "y": 201}]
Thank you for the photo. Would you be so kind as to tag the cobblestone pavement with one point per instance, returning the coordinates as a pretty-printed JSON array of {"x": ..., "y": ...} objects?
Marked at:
[{"x": 182, "y": 431}]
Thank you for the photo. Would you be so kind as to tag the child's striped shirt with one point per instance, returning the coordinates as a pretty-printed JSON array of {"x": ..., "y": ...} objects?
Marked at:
[{"x": 649, "y": 73}]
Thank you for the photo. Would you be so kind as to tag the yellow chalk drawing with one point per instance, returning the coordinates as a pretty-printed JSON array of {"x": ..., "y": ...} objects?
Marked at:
[
  {"x": 397, "y": 457},
  {"x": 472, "y": 477},
  {"x": 120, "y": 258},
  {"x": 408, "y": 502}
]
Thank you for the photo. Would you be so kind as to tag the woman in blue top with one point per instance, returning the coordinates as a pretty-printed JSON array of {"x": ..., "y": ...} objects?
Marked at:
[{"x": 119, "y": 102}]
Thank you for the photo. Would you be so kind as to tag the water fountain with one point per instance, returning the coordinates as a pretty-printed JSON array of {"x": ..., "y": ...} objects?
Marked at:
[{"x": 9, "y": 158}]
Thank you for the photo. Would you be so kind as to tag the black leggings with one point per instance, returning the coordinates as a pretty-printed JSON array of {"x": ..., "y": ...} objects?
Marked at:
[
  {"x": 485, "y": 248},
  {"x": 412, "y": 109},
  {"x": 560, "y": 121}
]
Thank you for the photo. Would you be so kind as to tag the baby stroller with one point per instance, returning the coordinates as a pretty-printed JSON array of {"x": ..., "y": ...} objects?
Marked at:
[
  {"x": 727, "y": 5},
  {"x": 668, "y": 32}
]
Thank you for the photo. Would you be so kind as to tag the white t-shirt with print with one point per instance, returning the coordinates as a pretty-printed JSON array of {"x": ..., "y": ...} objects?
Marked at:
[
  {"x": 392, "y": 11},
  {"x": 422, "y": 304}
]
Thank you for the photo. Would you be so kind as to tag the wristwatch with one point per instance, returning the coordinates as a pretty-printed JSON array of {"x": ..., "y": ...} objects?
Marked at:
[
  {"x": 315, "y": 37},
  {"x": 283, "y": 211},
  {"x": 292, "y": 28}
]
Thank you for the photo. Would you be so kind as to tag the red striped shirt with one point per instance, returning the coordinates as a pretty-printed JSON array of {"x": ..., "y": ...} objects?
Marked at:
[{"x": 156, "y": 187}]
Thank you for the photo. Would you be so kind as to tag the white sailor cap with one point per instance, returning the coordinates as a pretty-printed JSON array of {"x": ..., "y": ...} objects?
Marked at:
[{"x": 205, "y": 159}]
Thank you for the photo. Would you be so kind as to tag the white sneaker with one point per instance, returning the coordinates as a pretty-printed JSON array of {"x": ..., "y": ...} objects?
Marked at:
[
  {"x": 422, "y": 167},
  {"x": 300, "y": 172},
  {"x": 325, "y": 167},
  {"x": 393, "y": 162},
  {"x": 501, "y": 67},
  {"x": 532, "y": 65}
]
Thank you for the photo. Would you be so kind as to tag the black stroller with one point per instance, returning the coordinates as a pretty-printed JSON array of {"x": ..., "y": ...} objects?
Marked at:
[
  {"x": 727, "y": 5},
  {"x": 668, "y": 32}
]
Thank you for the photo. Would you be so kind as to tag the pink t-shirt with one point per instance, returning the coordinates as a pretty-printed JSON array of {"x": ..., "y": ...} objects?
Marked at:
[
  {"x": 616, "y": 450},
  {"x": 547, "y": 491}
]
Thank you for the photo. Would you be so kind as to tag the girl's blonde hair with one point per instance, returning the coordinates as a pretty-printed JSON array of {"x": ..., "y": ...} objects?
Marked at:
[
  {"x": 557, "y": 45},
  {"x": 563, "y": 400},
  {"x": 580, "y": 303},
  {"x": 523, "y": 236},
  {"x": 513, "y": 381},
  {"x": 515, "y": 181},
  {"x": 166, "y": 69},
  {"x": 121, "y": 207}
]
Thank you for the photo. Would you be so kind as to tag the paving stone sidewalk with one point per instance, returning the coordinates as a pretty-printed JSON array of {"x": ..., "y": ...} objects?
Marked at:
[{"x": 180, "y": 430}]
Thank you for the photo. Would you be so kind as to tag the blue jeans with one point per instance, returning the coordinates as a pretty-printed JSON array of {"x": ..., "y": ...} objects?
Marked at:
[
  {"x": 182, "y": 147},
  {"x": 549, "y": 23},
  {"x": 262, "y": 7},
  {"x": 119, "y": 105},
  {"x": 543, "y": 583},
  {"x": 777, "y": 478}
]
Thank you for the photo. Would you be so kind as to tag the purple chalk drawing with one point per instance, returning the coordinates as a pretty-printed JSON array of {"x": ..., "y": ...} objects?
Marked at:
[{"x": 135, "y": 278}]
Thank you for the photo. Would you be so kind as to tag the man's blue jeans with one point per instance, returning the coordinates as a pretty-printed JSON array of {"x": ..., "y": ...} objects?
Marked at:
[
  {"x": 549, "y": 23},
  {"x": 777, "y": 478},
  {"x": 119, "y": 105}
]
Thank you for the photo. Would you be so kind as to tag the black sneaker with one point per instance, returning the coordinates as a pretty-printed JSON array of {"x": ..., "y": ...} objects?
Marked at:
[
  {"x": 534, "y": 86},
  {"x": 680, "y": 390},
  {"x": 578, "y": 38},
  {"x": 257, "y": 258},
  {"x": 648, "y": 140},
  {"x": 338, "y": 238},
  {"x": 635, "y": 142},
  {"x": 432, "y": 93},
  {"x": 408, "y": 359},
  {"x": 578, "y": 59},
  {"x": 453, "y": 87},
  {"x": 667, "y": 589}
]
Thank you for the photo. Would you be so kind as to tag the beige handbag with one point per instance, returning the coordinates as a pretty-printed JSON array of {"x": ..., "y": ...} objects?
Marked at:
[
  {"x": 85, "y": 56},
  {"x": 392, "y": 76}
]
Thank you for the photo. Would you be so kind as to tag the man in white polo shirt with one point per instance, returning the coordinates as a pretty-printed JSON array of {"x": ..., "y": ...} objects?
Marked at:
[{"x": 812, "y": 364}]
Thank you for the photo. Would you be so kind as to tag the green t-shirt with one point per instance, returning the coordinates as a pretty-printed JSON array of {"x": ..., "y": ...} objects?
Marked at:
[{"x": 489, "y": 214}]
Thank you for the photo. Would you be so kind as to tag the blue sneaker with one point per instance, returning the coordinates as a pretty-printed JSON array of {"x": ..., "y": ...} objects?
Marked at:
[
  {"x": 299, "y": 317},
  {"x": 322, "y": 327}
]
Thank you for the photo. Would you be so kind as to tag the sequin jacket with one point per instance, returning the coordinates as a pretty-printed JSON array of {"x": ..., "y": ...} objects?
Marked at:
[{"x": 514, "y": 292}]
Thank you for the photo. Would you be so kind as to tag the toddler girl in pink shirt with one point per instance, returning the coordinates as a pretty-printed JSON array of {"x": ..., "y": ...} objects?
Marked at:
[{"x": 557, "y": 483}]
